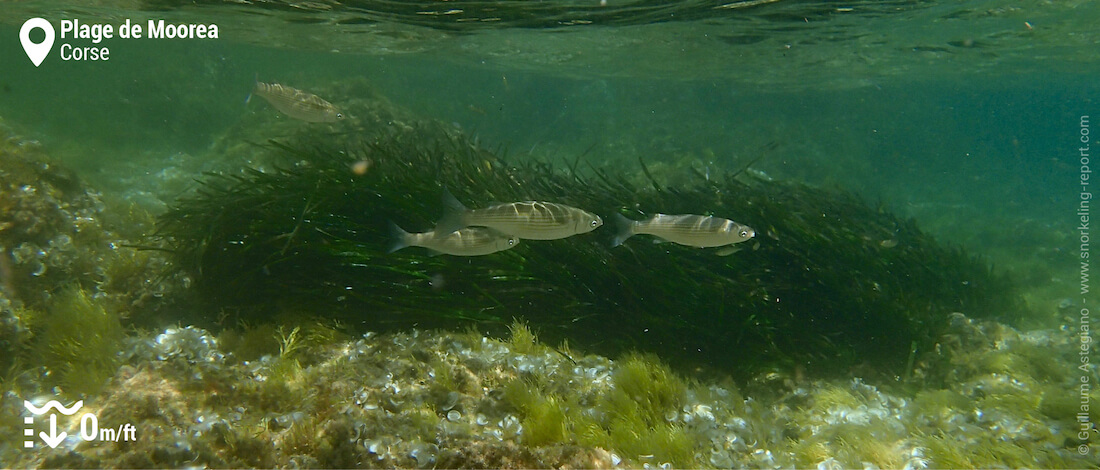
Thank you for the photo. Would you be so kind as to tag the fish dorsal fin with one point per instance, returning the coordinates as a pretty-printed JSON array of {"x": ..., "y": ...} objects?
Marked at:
[
  {"x": 453, "y": 213},
  {"x": 451, "y": 202}
]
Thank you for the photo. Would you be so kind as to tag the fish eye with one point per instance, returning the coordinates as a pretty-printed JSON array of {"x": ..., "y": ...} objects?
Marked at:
[
  {"x": 744, "y": 233},
  {"x": 339, "y": 115},
  {"x": 511, "y": 241},
  {"x": 595, "y": 223}
]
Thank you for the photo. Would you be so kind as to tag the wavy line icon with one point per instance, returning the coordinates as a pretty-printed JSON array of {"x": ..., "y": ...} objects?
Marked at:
[{"x": 53, "y": 404}]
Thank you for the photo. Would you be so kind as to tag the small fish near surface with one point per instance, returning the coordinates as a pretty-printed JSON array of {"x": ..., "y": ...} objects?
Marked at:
[
  {"x": 297, "y": 103},
  {"x": 701, "y": 231},
  {"x": 473, "y": 241},
  {"x": 529, "y": 220}
]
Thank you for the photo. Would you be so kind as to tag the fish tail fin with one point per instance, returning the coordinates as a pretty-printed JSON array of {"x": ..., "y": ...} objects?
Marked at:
[
  {"x": 453, "y": 214},
  {"x": 400, "y": 237},
  {"x": 624, "y": 228}
]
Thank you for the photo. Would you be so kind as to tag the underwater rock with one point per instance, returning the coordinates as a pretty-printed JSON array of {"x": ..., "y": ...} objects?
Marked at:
[
  {"x": 56, "y": 232},
  {"x": 818, "y": 289},
  {"x": 220, "y": 412},
  {"x": 50, "y": 225},
  {"x": 71, "y": 283}
]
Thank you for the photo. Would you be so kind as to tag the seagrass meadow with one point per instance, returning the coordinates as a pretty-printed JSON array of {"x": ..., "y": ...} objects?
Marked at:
[{"x": 829, "y": 283}]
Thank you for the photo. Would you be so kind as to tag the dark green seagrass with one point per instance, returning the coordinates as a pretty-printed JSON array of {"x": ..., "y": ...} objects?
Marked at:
[{"x": 831, "y": 284}]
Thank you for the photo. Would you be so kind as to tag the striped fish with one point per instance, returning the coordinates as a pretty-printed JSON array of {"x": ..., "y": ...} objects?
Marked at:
[
  {"x": 473, "y": 241},
  {"x": 531, "y": 220},
  {"x": 691, "y": 230},
  {"x": 297, "y": 103}
]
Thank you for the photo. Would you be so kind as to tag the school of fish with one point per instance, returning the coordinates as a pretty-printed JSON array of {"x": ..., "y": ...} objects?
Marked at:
[{"x": 475, "y": 232}]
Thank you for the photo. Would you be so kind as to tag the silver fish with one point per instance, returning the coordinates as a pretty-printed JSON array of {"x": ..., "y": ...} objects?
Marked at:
[
  {"x": 688, "y": 229},
  {"x": 297, "y": 103},
  {"x": 531, "y": 220},
  {"x": 473, "y": 241}
]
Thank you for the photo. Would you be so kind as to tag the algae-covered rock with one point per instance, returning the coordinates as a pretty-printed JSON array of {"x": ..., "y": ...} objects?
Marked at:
[
  {"x": 79, "y": 342},
  {"x": 396, "y": 400},
  {"x": 828, "y": 282},
  {"x": 57, "y": 233},
  {"x": 50, "y": 224},
  {"x": 71, "y": 279}
]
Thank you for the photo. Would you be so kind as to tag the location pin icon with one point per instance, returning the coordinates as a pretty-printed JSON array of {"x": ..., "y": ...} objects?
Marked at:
[{"x": 36, "y": 52}]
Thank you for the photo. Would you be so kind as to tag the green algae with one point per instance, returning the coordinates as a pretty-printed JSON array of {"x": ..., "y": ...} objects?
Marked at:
[
  {"x": 15, "y": 336},
  {"x": 292, "y": 335},
  {"x": 984, "y": 451},
  {"x": 850, "y": 446},
  {"x": 521, "y": 338},
  {"x": 544, "y": 416},
  {"x": 632, "y": 417},
  {"x": 645, "y": 391},
  {"x": 249, "y": 342},
  {"x": 832, "y": 396},
  {"x": 659, "y": 444},
  {"x": 78, "y": 341}
]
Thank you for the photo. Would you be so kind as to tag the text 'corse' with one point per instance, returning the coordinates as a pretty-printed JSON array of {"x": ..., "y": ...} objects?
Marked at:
[{"x": 153, "y": 29}]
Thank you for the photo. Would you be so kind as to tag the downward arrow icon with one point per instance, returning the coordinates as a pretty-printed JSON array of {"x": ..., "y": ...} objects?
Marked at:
[{"x": 53, "y": 438}]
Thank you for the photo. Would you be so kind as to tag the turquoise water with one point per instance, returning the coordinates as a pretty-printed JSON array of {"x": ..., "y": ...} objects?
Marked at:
[
  {"x": 964, "y": 116},
  {"x": 863, "y": 98}
]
